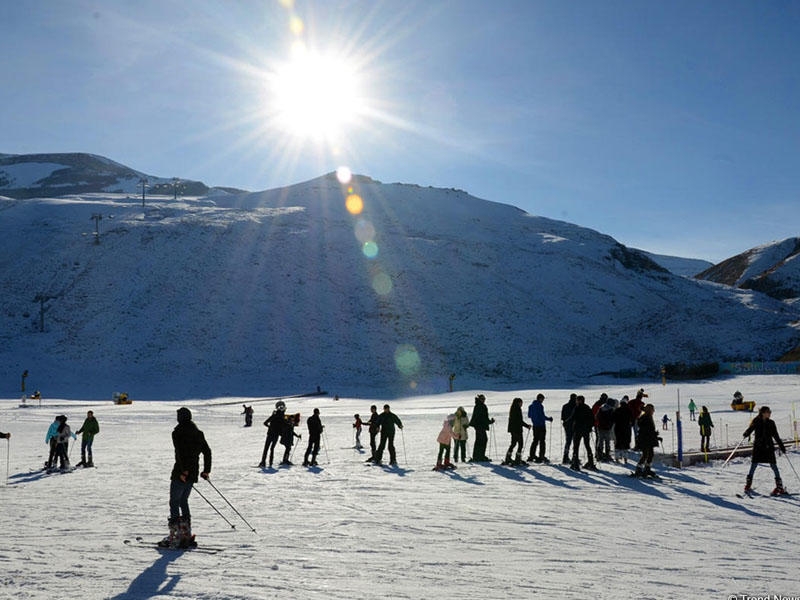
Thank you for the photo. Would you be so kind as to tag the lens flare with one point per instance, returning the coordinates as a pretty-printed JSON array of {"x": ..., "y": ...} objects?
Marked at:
[
  {"x": 344, "y": 175},
  {"x": 354, "y": 204},
  {"x": 364, "y": 230},
  {"x": 370, "y": 249},
  {"x": 406, "y": 359},
  {"x": 382, "y": 284}
]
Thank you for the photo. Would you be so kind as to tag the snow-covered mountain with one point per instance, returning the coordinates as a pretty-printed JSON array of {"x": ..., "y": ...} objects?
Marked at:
[
  {"x": 285, "y": 290},
  {"x": 45, "y": 175},
  {"x": 773, "y": 269}
]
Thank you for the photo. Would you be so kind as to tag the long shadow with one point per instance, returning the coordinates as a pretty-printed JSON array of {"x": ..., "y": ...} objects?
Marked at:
[
  {"x": 541, "y": 476},
  {"x": 512, "y": 473},
  {"x": 153, "y": 581},
  {"x": 723, "y": 503},
  {"x": 456, "y": 476}
]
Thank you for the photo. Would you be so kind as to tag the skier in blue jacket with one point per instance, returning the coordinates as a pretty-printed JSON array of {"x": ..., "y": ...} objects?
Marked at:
[{"x": 539, "y": 421}]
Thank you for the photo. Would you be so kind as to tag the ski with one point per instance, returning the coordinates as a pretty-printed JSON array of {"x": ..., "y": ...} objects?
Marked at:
[
  {"x": 139, "y": 542},
  {"x": 752, "y": 494}
]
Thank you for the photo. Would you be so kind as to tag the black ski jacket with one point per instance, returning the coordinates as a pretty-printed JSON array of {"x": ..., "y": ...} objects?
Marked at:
[
  {"x": 189, "y": 444},
  {"x": 763, "y": 448}
]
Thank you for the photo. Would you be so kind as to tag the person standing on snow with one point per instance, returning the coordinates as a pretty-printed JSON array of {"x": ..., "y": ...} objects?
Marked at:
[
  {"x": 622, "y": 430},
  {"x": 274, "y": 425},
  {"x": 764, "y": 449},
  {"x": 89, "y": 429},
  {"x": 189, "y": 443},
  {"x": 51, "y": 439},
  {"x": 444, "y": 438},
  {"x": 387, "y": 421},
  {"x": 539, "y": 422},
  {"x": 567, "y": 410},
  {"x": 605, "y": 429},
  {"x": 315, "y": 428},
  {"x": 357, "y": 425},
  {"x": 460, "y": 426},
  {"x": 288, "y": 435},
  {"x": 582, "y": 423},
  {"x": 374, "y": 428},
  {"x": 647, "y": 440},
  {"x": 480, "y": 422},
  {"x": 635, "y": 406},
  {"x": 692, "y": 409},
  {"x": 248, "y": 415},
  {"x": 62, "y": 442},
  {"x": 706, "y": 425},
  {"x": 515, "y": 425}
]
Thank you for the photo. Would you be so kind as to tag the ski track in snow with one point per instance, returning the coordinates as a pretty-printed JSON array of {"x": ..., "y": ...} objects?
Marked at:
[{"x": 351, "y": 530}]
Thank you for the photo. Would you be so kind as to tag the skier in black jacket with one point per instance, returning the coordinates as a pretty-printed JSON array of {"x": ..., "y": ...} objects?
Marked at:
[
  {"x": 481, "y": 422},
  {"x": 566, "y": 421},
  {"x": 646, "y": 440},
  {"x": 515, "y": 425},
  {"x": 315, "y": 428},
  {"x": 274, "y": 425},
  {"x": 374, "y": 429},
  {"x": 582, "y": 423},
  {"x": 763, "y": 448},
  {"x": 189, "y": 443}
]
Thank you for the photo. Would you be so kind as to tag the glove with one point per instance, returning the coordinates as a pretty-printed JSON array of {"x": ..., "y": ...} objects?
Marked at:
[{"x": 204, "y": 475}]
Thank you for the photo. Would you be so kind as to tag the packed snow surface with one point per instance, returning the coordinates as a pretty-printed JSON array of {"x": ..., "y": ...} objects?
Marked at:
[{"x": 350, "y": 530}]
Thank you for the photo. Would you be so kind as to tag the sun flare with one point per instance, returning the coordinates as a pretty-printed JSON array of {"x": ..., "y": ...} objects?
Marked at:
[{"x": 315, "y": 96}]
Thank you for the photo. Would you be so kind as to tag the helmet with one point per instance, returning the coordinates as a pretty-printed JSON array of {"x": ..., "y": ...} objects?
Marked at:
[{"x": 280, "y": 405}]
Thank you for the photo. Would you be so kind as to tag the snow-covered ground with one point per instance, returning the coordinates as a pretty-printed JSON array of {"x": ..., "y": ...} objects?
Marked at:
[{"x": 348, "y": 530}]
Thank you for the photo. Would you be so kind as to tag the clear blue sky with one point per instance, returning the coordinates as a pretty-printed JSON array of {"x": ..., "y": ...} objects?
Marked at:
[{"x": 673, "y": 126}]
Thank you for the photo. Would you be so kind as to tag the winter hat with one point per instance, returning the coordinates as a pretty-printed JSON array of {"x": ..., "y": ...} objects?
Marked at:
[
  {"x": 184, "y": 414},
  {"x": 540, "y": 396}
]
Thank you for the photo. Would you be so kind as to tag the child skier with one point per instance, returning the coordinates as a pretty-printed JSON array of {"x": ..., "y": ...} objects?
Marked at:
[
  {"x": 764, "y": 449},
  {"x": 288, "y": 435},
  {"x": 357, "y": 426},
  {"x": 444, "y": 439},
  {"x": 460, "y": 425}
]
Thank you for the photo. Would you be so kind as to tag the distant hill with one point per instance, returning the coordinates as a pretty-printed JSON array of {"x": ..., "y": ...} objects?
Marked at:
[
  {"x": 685, "y": 267},
  {"x": 53, "y": 175},
  {"x": 773, "y": 269},
  {"x": 361, "y": 288}
]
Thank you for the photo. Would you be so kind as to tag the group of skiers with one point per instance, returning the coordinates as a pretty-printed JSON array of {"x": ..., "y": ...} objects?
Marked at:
[{"x": 57, "y": 437}]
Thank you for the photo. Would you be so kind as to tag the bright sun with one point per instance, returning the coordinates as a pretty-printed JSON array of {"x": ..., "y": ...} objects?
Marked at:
[{"x": 315, "y": 96}]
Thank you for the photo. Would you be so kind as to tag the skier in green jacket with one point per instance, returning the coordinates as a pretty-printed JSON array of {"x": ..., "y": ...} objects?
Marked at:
[{"x": 89, "y": 429}]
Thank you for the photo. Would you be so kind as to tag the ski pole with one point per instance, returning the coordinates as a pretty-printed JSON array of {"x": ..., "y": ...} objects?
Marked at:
[
  {"x": 8, "y": 455},
  {"x": 494, "y": 440},
  {"x": 325, "y": 446},
  {"x": 792, "y": 466},
  {"x": 525, "y": 443},
  {"x": 727, "y": 460},
  {"x": 216, "y": 510},
  {"x": 233, "y": 508},
  {"x": 403, "y": 439}
]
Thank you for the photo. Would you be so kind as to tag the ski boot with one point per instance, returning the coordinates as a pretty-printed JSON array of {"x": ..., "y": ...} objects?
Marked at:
[
  {"x": 748, "y": 485},
  {"x": 507, "y": 460},
  {"x": 575, "y": 465},
  {"x": 172, "y": 539},
  {"x": 544, "y": 460},
  {"x": 448, "y": 465},
  {"x": 779, "y": 489},
  {"x": 438, "y": 466},
  {"x": 639, "y": 472},
  {"x": 590, "y": 466},
  {"x": 185, "y": 536}
]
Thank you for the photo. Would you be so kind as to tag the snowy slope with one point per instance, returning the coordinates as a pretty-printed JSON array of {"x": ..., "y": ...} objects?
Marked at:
[
  {"x": 773, "y": 269},
  {"x": 285, "y": 290},
  {"x": 346, "y": 530},
  {"x": 686, "y": 267}
]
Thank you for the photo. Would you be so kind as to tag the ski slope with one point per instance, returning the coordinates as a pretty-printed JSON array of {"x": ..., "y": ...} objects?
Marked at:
[{"x": 350, "y": 530}]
